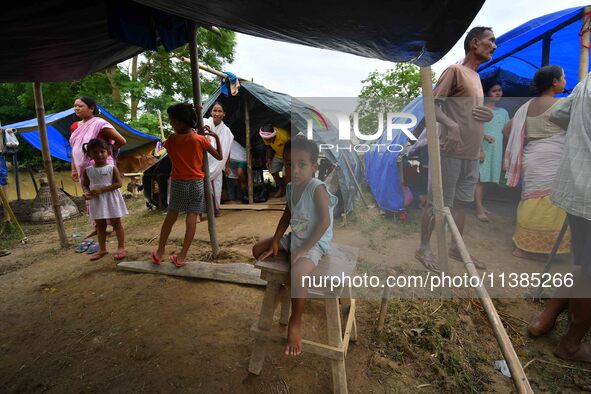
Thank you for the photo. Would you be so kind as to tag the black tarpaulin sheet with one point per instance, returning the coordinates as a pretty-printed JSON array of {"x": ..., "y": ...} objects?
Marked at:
[{"x": 62, "y": 40}]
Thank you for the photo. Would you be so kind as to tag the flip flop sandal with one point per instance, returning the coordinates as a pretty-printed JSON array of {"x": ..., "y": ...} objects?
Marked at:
[
  {"x": 98, "y": 256},
  {"x": 155, "y": 259},
  {"x": 174, "y": 260},
  {"x": 84, "y": 245},
  {"x": 4, "y": 252},
  {"x": 120, "y": 255},
  {"x": 428, "y": 258},
  {"x": 92, "y": 249}
]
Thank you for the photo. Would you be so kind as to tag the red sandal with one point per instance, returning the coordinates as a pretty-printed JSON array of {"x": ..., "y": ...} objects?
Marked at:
[
  {"x": 155, "y": 259},
  {"x": 176, "y": 262}
]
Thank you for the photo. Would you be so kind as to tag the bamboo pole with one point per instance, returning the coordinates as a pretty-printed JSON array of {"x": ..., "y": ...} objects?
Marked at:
[
  {"x": 11, "y": 215},
  {"x": 248, "y": 148},
  {"x": 205, "y": 67},
  {"x": 17, "y": 181},
  {"x": 517, "y": 372},
  {"x": 161, "y": 125},
  {"x": 39, "y": 107},
  {"x": 584, "y": 51},
  {"x": 434, "y": 167},
  {"x": 357, "y": 187},
  {"x": 213, "y": 238}
]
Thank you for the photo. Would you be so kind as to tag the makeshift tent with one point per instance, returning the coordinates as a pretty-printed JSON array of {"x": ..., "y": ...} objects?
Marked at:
[
  {"x": 381, "y": 166},
  {"x": 279, "y": 109},
  {"x": 520, "y": 52},
  {"x": 76, "y": 41},
  {"x": 58, "y": 133}
]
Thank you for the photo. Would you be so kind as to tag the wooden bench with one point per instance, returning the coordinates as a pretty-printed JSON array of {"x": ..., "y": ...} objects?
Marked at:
[{"x": 342, "y": 260}]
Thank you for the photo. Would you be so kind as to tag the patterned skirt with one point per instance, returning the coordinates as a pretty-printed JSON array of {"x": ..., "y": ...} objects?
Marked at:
[{"x": 187, "y": 196}]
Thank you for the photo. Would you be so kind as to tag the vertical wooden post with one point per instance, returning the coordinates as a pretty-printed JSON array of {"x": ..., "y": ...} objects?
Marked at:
[
  {"x": 39, "y": 107},
  {"x": 199, "y": 110},
  {"x": 434, "y": 167},
  {"x": 584, "y": 52},
  {"x": 248, "y": 148},
  {"x": 17, "y": 181}
]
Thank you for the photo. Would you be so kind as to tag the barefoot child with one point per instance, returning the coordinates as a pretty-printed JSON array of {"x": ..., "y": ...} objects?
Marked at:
[
  {"x": 186, "y": 149},
  {"x": 101, "y": 183},
  {"x": 309, "y": 213}
]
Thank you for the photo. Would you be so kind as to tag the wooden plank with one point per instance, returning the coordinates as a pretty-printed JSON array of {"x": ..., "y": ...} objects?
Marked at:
[
  {"x": 252, "y": 207},
  {"x": 242, "y": 273}
]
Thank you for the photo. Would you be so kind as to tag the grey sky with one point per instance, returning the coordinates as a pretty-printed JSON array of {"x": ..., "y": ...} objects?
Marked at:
[{"x": 309, "y": 72}]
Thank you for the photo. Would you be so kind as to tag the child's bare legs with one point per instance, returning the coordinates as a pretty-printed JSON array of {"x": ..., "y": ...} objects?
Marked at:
[
  {"x": 118, "y": 228},
  {"x": 300, "y": 268},
  {"x": 191, "y": 223},
  {"x": 165, "y": 230},
  {"x": 101, "y": 230},
  {"x": 481, "y": 212}
]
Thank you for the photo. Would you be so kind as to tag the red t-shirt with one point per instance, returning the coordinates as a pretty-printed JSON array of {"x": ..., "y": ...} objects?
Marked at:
[{"x": 186, "y": 154}]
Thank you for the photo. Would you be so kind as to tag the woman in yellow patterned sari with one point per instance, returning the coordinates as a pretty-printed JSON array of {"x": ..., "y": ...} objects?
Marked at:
[{"x": 534, "y": 150}]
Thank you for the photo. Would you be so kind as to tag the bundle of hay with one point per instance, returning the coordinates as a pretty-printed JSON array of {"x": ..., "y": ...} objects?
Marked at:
[{"x": 42, "y": 210}]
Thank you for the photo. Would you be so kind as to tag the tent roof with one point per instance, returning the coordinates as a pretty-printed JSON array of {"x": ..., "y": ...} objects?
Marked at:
[
  {"x": 521, "y": 51},
  {"x": 54, "y": 41},
  {"x": 58, "y": 133}
]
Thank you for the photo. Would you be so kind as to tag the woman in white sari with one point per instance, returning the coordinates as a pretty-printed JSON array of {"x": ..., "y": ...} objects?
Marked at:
[
  {"x": 216, "y": 167},
  {"x": 534, "y": 150}
]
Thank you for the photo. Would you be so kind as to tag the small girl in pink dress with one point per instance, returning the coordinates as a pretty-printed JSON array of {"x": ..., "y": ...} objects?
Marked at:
[{"x": 101, "y": 183}]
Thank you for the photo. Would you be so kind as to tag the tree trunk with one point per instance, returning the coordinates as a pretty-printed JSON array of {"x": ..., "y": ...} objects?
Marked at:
[
  {"x": 134, "y": 98},
  {"x": 115, "y": 90}
]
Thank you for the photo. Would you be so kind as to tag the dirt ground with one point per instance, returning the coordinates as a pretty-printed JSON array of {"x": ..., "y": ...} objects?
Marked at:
[{"x": 70, "y": 325}]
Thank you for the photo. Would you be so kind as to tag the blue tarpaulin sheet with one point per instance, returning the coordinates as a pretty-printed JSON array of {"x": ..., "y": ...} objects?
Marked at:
[{"x": 58, "y": 133}]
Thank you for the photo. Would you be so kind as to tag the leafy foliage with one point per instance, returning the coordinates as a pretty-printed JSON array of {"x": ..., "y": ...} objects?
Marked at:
[{"x": 387, "y": 92}]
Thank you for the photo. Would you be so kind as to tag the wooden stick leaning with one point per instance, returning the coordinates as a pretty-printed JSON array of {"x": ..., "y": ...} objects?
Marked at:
[
  {"x": 13, "y": 219},
  {"x": 517, "y": 372},
  {"x": 356, "y": 183}
]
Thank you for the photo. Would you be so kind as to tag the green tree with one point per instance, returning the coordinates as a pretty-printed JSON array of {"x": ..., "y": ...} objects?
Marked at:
[{"x": 387, "y": 92}]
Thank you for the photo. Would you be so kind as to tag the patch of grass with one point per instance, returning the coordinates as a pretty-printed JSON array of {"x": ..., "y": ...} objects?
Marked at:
[
  {"x": 9, "y": 236},
  {"x": 432, "y": 335}
]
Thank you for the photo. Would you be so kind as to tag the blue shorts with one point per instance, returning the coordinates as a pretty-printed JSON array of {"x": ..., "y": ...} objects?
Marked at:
[{"x": 3, "y": 172}]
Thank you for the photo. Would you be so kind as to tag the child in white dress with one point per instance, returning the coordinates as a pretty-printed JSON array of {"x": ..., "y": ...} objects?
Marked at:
[{"x": 101, "y": 184}]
